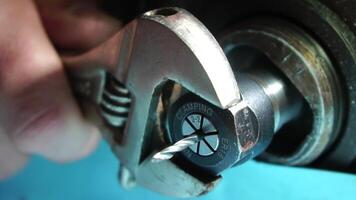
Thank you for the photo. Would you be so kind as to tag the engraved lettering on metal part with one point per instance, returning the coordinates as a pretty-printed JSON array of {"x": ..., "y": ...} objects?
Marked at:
[
  {"x": 198, "y": 123},
  {"x": 245, "y": 130},
  {"x": 195, "y": 119},
  {"x": 224, "y": 147},
  {"x": 198, "y": 107}
]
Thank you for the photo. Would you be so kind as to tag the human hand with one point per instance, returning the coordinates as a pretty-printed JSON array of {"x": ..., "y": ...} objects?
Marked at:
[{"x": 38, "y": 114}]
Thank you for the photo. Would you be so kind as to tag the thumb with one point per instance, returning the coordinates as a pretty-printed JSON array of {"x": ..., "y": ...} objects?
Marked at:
[
  {"x": 76, "y": 25},
  {"x": 37, "y": 109}
]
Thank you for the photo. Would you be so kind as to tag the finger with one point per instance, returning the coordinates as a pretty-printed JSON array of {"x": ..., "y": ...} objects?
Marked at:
[
  {"x": 82, "y": 25},
  {"x": 10, "y": 158},
  {"x": 37, "y": 109}
]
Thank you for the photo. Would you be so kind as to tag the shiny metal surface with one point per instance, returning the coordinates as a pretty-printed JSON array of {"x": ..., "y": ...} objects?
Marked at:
[
  {"x": 286, "y": 106},
  {"x": 254, "y": 122},
  {"x": 168, "y": 152},
  {"x": 180, "y": 49},
  {"x": 284, "y": 45},
  {"x": 161, "y": 45},
  {"x": 239, "y": 133},
  {"x": 115, "y": 103},
  {"x": 169, "y": 45},
  {"x": 308, "y": 68},
  {"x": 153, "y": 61},
  {"x": 126, "y": 179},
  {"x": 200, "y": 136}
]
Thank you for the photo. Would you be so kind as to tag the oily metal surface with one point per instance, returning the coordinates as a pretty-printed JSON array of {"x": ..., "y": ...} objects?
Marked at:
[
  {"x": 307, "y": 67},
  {"x": 339, "y": 156},
  {"x": 330, "y": 22},
  {"x": 176, "y": 48}
]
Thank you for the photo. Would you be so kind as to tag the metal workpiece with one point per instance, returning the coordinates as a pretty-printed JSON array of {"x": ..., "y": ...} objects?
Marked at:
[
  {"x": 286, "y": 101},
  {"x": 307, "y": 68},
  {"x": 167, "y": 44},
  {"x": 228, "y": 137},
  {"x": 177, "y": 114},
  {"x": 218, "y": 147},
  {"x": 215, "y": 126},
  {"x": 170, "y": 51},
  {"x": 261, "y": 106},
  {"x": 330, "y": 24}
]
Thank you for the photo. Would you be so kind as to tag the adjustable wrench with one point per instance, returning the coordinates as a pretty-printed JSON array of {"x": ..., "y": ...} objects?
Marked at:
[{"x": 121, "y": 83}]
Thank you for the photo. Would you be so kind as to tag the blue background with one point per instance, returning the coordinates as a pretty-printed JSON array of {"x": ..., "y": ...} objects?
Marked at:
[{"x": 95, "y": 178}]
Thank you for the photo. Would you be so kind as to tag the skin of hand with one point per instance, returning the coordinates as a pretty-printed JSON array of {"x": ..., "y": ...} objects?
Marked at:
[{"x": 38, "y": 114}]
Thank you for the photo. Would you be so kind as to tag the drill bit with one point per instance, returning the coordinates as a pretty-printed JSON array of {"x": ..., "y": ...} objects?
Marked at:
[{"x": 168, "y": 152}]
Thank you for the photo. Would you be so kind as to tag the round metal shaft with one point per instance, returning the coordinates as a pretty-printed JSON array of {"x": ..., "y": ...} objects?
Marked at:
[
  {"x": 223, "y": 138},
  {"x": 286, "y": 102}
]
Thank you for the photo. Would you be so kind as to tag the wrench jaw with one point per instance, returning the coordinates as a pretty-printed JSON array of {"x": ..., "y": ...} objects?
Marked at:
[
  {"x": 162, "y": 46},
  {"x": 169, "y": 45}
]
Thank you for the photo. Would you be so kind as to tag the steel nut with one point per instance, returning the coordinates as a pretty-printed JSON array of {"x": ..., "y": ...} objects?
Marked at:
[{"x": 246, "y": 128}]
